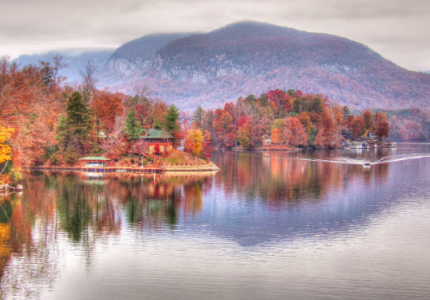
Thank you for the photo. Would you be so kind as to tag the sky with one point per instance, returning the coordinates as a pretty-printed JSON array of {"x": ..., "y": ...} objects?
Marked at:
[{"x": 397, "y": 29}]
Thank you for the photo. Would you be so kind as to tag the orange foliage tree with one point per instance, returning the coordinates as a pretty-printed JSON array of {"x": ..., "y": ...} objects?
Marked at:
[
  {"x": 107, "y": 107},
  {"x": 382, "y": 127}
]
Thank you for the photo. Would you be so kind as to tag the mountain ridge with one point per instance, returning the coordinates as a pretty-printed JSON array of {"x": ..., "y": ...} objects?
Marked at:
[{"x": 210, "y": 69}]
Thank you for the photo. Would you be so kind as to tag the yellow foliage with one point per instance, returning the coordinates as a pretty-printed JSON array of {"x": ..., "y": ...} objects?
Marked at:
[
  {"x": 5, "y": 150},
  {"x": 196, "y": 136}
]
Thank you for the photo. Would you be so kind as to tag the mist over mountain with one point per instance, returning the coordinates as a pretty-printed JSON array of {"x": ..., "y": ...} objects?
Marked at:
[
  {"x": 75, "y": 59},
  {"x": 244, "y": 58},
  {"x": 138, "y": 54}
]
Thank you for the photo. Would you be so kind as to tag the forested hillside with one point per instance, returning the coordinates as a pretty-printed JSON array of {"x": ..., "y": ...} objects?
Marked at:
[{"x": 214, "y": 68}]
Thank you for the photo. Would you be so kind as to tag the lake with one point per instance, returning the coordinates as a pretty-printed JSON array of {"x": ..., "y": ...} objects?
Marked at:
[{"x": 268, "y": 225}]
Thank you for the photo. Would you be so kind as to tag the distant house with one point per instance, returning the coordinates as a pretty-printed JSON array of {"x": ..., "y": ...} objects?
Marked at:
[{"x": 155, "y": 137}]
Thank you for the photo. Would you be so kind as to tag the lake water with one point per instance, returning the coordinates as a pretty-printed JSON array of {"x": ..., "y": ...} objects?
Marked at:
[{"x": 268, "y": 225}]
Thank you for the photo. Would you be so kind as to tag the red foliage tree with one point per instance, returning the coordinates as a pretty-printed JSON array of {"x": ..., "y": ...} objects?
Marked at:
[
  {"x": 358, "y": 127},
  {"x": 382, "y": 127},
  {"x": 157, "y": 148},
  {"x": 207, "y": 146}
]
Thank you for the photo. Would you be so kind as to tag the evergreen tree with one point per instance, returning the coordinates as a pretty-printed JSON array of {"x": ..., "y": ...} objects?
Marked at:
[
  {"x": 63, "y": 135},
  {"x": 317, "y": 106},
  {"x": 133, "y": 130},
  {"x": 157, "y": 124},
  {"x": 171, "y": 120},
  {"x": 198, "y": 117},
  {"x": 79, "y": 120}
]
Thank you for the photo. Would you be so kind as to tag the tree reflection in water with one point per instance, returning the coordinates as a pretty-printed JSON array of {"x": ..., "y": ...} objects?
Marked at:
[{"x": 63, "y": 205}]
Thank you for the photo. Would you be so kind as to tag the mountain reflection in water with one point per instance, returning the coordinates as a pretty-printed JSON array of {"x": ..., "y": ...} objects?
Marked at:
[{"x": 257, "y": 198}]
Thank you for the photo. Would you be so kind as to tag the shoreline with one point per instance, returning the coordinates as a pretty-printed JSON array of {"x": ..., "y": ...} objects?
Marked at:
[{"x": 163, "y": 168}]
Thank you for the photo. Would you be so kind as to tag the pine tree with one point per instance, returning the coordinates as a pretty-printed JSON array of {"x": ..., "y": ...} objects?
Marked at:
[
  {"x": 132, "y": 129},
  {"x": 171, "y": 120},
  {"x": 63, "y": 135},
  {"x": 79, "y": 120}
]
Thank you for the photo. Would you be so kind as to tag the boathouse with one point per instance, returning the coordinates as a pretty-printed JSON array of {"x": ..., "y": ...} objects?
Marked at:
[
  {"x": 94, "y": 162},
  {"x": 160, "y": 138}
]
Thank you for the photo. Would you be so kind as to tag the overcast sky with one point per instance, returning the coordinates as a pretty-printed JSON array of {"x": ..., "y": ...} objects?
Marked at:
[{"x": 398, "y": 29}]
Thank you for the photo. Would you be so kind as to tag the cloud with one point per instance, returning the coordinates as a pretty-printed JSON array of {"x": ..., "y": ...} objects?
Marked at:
[{"x": 39, "y": 25}]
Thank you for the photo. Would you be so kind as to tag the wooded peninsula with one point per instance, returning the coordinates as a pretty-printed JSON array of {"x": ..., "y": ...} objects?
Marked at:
[{"x": 47, "y": 122}]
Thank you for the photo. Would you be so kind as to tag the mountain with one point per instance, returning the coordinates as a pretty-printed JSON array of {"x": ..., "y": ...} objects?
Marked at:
[
  {"x": 139, "y": 53},
  {"x": 213, "y": 68},
  {"x": 249, "y": 57},
  {"x": 76, "y": 60}
]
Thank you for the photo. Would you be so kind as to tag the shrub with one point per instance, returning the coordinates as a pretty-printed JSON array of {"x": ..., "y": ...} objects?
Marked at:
[
  {"x": 70, "y": 156},
  {"x": 53, "y": 159},
  {"x": 132, "y": 160}
]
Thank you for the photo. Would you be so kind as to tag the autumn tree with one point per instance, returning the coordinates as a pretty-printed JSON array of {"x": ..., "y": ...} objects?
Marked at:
[
  {"x": 382, "y": 127},
  {"x": 349, "y": 119},
  {"x": 207, "y": 146},
  {"x": 5, "y": 149},
  {"x": 326, "y": 135},
  {"x": 305, "y": 119},
  {"x": 194, "y": 141},
  {"x": 107, "y": 107},
  {"x": 223, "y": 124},
  {"x": 358, "y": 127},
  {"x": 276, "y": 136},
  {"x": 244, "y": 134},
  {"x": 298, "y": 135},
  {"x": 317, "y": 106},
  {"x": 367, "y": 116}
]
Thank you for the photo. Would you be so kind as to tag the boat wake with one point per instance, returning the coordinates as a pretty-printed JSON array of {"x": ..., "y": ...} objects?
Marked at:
[
  {"x": 396, "y": 158},
  {"x": 366, "y": 162}
]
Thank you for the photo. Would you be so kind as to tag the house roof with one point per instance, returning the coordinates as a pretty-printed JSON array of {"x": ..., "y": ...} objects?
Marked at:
[
  {"x": 94, "y": 158},
  {"x": 156, "y": 134}
]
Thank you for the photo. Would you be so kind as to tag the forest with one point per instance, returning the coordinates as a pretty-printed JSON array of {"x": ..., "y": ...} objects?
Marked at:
[{"x": 45, "y": 121}]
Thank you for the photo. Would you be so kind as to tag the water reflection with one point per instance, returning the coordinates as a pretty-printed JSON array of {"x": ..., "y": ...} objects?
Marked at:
[{"x": 256, "y": 197}]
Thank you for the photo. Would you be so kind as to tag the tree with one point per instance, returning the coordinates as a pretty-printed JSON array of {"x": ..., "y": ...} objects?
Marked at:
[
  {"x": 79, "y": 121},
  {"x": 63, "y": 134},
  {"x": 70, "y": 156},
  {"x": 157, "y": 148},
  {"x": 317, "y": 106},
  {"x": 349, "y": 119},
  {"x": 244, "y": 136},
  {"x": 326, "y": 135},
  {"x": 88, "y": 80},
  {"x": 382, "y": 127},
  {"x": 5, "y": 149},
  {"x": 195, "y": 140},
  {"x": 207, "y": 146},
  {"x": 107, "y": 107},
  {"x": 367, "y": 116},
  {"x": 298, "y": 135},
  {"x": 198, "y": 117},
  {"x": 276, "y": 136},
  {"x": 305, "y": 119},
  {"x": 132, "y": 128},
  {"x": 171, "y": 120},
  {"x": 46, "y": 73},
  {"x": 358, "y": 127},
  {"x": 346, "y": 112}
]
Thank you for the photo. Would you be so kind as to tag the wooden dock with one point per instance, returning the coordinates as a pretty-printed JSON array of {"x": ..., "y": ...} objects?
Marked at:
[
  {"x": 105, "y": 169},
  {"x": 122, "y": 169}
]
